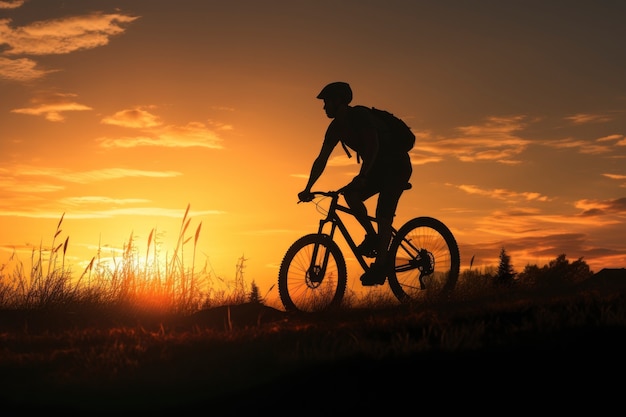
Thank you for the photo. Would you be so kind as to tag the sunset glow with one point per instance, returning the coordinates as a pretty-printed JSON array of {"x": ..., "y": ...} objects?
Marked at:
[{"x": 120, "y": 118}]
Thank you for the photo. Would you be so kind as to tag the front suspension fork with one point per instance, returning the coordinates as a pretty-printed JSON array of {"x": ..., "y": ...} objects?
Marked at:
[{"x": 316, "y": 272}]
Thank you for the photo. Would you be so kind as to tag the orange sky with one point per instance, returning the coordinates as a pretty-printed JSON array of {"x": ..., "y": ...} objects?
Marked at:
[{"x": 120, "y": 115}]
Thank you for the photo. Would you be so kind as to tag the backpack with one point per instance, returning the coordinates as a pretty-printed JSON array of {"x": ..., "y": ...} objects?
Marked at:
[
  {"x": 398, "y": 133},
  {"x": 396, "y": 136}
]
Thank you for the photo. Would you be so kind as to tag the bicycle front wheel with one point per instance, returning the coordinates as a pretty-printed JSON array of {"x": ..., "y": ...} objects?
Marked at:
[
  {"x": 312, "y": 275},
  {"x": 426, "y": 260}
]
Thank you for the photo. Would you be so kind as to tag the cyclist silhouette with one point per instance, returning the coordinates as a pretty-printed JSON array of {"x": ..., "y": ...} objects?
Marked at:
[{"x": 383, "y": 171}]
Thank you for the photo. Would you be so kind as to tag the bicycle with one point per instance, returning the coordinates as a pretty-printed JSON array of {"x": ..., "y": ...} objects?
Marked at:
[{"x": 423, "y": 257}]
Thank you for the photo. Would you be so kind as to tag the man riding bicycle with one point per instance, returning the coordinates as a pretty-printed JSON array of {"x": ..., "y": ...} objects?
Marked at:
[{"x": 383, "y": 171}]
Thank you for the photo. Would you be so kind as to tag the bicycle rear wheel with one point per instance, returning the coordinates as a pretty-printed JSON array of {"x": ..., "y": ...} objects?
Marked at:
[
  {"x": 426, "y": 260},
  {"x": 312, "y": 285}
]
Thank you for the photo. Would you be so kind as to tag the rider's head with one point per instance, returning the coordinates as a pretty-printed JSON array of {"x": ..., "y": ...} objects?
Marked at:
[
  {"x": 336, "y": 95},
  {"x": 339, "y": 91}
]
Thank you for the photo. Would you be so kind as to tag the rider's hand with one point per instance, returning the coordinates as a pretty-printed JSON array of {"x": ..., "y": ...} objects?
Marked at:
[{"x": 305, "y": 196}]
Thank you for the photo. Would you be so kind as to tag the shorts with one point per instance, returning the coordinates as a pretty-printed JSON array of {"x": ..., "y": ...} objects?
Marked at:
[{"x": 389, "y": 179}]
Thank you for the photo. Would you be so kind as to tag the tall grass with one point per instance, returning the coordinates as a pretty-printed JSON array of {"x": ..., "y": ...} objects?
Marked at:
[
  {"x": 149, "y": 282},
  {"x": 130, "y": 280}
]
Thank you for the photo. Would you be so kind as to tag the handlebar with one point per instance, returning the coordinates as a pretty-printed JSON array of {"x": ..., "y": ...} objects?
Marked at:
[
  {"x": 336, "y": 193},
  {"x": 328, "y": 193},
  {"x": 333, "y": 194}
]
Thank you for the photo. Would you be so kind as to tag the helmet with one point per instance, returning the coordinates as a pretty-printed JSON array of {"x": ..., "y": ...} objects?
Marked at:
[{"x": 337, "y": 89}]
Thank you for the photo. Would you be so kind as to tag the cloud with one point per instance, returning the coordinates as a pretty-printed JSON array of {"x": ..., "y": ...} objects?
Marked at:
[
  {"x": 193, "y": 134},
  {"x": 75, "y": 201},
  {"x": 11, "y": 4},
  {"x": 582, "y": 118},
  {"x": 38, "y": 188},
  {"x": 615, "y": 176},
  {"x": 61, "y": 174},
  {"x": 602, "y": 207},
  {"x": 64, "y": 35},
  {"x": 53, "y": 37},
  {"x": 582, "y": 146},
  {"x": 266, "y": 232},
  {"x": 24, "y": 186},
  {"x": 220, "y": 125},
  {"x": 52, "y": 105},
  {"x": 610, "y": 138},
  {"x": 105, "y": 214},
  {"x": 494, "y": 140},
  {"x": 502, "y": 194},
  {"x": 22, "y": 69},
  {"x": 133, "y": 118},
  {"x": 542, "y": 248}
]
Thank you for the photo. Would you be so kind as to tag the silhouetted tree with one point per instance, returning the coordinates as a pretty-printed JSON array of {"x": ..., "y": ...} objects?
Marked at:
[
  {"x": 255, "y": 296},
  {"x": 505, "y": 274},
  {"x": 560, "y": 271},
  {"x": 557, "y": 272},
  {"x": 530, "y": 275},
  {"x": 579, "y": 271}
]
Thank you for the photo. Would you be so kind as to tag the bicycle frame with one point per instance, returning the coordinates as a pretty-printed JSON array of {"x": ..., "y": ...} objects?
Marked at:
[
  {"x": 337, "y": 223},
  {"x": 422, "y": 255}
]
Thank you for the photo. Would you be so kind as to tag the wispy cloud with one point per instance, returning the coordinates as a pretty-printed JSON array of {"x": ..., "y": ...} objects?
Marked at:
[
  {"x": 14, "y": 185},
  {"x": 154, "y": 133},
  {"x": 494, "y": 140},
  {"x": 62, "y": 36},
  {"x": 92, "y": 199},
  {"x": 582, "y": 118},
  {"x": 582, "y": 146},
  {"x": 194, "y": 134},
  {"x": 615, "y": 176},
  {"x": 106, "y": 214},
  {"x": 502, "y": 194},
  {"x": 609, "y": 138},
  {"x": 133, "y": 118},
  {"x": 22, "y": 69},
  {"x": 11, "y": 4},
  {"x": 8, "y": 175},
  {"x": 539, "y": 248},
  {"x": 52, "y": 105},
  {"x": 53, "y": 37},
  {"x": 266, "y": 232},
  {"x": 602, "y": 207}
]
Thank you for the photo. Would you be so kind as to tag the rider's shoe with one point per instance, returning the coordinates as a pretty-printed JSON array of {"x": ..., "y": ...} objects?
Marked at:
[
  {"x": 375, "y": 275},
  {"x": 367, "y": 248}
]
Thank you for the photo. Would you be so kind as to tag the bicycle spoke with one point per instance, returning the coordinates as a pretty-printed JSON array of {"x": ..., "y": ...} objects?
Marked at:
[
  {"x": 426, "y": 260},
  {"x": 310, "y": 285}
]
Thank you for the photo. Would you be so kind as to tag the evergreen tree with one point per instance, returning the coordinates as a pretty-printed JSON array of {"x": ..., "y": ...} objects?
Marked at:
[
  {"x": 255, "y": 296},
  {"x": 505, "y": 274}
]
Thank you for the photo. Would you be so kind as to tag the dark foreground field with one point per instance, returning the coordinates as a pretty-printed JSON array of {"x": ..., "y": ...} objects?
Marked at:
[{"x": 557, "y": 350}]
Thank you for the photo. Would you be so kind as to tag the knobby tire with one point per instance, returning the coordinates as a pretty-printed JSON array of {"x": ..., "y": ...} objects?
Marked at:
[
  {"x": 443, "y": 256},
  {"x": 304, "y": 290}
]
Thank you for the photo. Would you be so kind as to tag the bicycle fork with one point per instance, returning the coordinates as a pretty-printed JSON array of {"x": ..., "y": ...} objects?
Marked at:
[{"x": 316, "y": 272}]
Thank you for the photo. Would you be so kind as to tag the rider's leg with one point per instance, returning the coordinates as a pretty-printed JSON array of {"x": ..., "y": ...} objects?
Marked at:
[
  {"x": 396, "y": 177},
  {"x": 377, "y": 273},
  {"x": 356, "y": 203},
  {"x": 384, "y": 238},
  {"x": 385, "y": 211}
]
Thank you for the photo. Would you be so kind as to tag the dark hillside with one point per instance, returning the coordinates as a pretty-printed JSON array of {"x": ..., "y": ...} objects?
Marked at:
[{"x": 564, "y": 346}]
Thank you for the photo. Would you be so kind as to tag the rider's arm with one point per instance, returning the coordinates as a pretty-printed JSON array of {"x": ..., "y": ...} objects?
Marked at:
[{"x": 330, "y": 141}]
